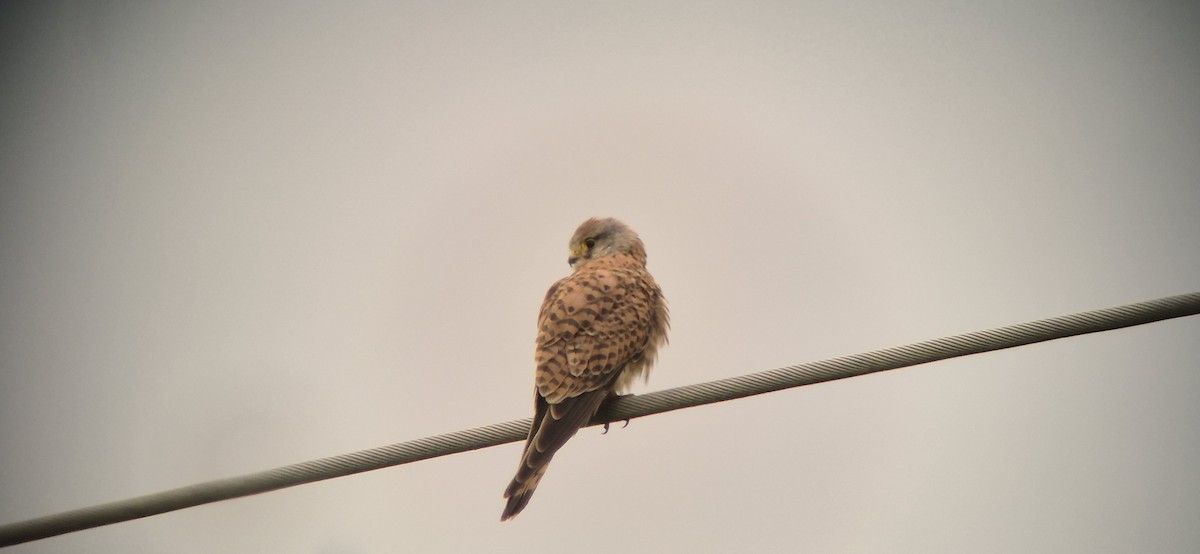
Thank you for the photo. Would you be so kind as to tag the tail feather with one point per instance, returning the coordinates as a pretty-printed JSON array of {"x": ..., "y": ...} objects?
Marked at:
[
  {"x": 520, "y": 491},
  {"x": 515, "y": 505},
  {"x": 553, "y": 425}
]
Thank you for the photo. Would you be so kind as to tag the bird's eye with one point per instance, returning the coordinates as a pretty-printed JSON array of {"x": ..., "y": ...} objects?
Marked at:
[{"x": 589, "y": 243}]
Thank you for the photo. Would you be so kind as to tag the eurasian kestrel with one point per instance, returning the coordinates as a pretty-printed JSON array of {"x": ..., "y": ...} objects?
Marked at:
[{"x": 599, "y": 330}]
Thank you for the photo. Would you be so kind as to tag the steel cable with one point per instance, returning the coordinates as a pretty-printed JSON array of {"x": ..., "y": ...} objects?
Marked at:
[{"x": 619, "y": 409}]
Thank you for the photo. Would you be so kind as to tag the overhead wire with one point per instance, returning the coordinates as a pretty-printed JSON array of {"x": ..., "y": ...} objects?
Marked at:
[{"x": 618, "y": 409}]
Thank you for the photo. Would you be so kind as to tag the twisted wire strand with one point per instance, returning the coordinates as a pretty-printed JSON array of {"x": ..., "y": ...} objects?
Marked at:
[{"x": 618, "y": 409}]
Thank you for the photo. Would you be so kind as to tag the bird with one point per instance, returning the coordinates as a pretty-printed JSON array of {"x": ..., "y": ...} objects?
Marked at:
[{"x": 599, "y": 331}]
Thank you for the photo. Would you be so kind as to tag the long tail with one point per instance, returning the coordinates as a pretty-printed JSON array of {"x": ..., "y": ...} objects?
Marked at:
[{"x": 553, "y": 425}]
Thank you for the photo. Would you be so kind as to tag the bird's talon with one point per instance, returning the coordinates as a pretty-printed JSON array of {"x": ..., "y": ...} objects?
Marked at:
[
  {"x": 605, "y": 432},
  {"x": 626, "y": 424}
]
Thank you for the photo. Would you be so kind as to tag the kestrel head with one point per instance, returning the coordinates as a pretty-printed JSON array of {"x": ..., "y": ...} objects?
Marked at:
[{"x": 598, "y": 237}]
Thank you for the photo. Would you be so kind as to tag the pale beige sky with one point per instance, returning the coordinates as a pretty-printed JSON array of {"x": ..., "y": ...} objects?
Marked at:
[{"x": 234, "y": 237}]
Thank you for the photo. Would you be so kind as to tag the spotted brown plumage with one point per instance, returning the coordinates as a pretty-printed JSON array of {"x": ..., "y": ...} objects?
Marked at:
[{"x": 599, "y": 330}]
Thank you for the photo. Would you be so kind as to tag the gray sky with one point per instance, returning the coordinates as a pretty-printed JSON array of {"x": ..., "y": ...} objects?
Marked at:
[{"x": 234, "y": 237}]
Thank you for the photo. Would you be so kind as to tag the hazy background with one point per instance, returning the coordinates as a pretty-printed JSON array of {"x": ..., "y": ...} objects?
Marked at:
[{"x": 236, "y": 236}]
